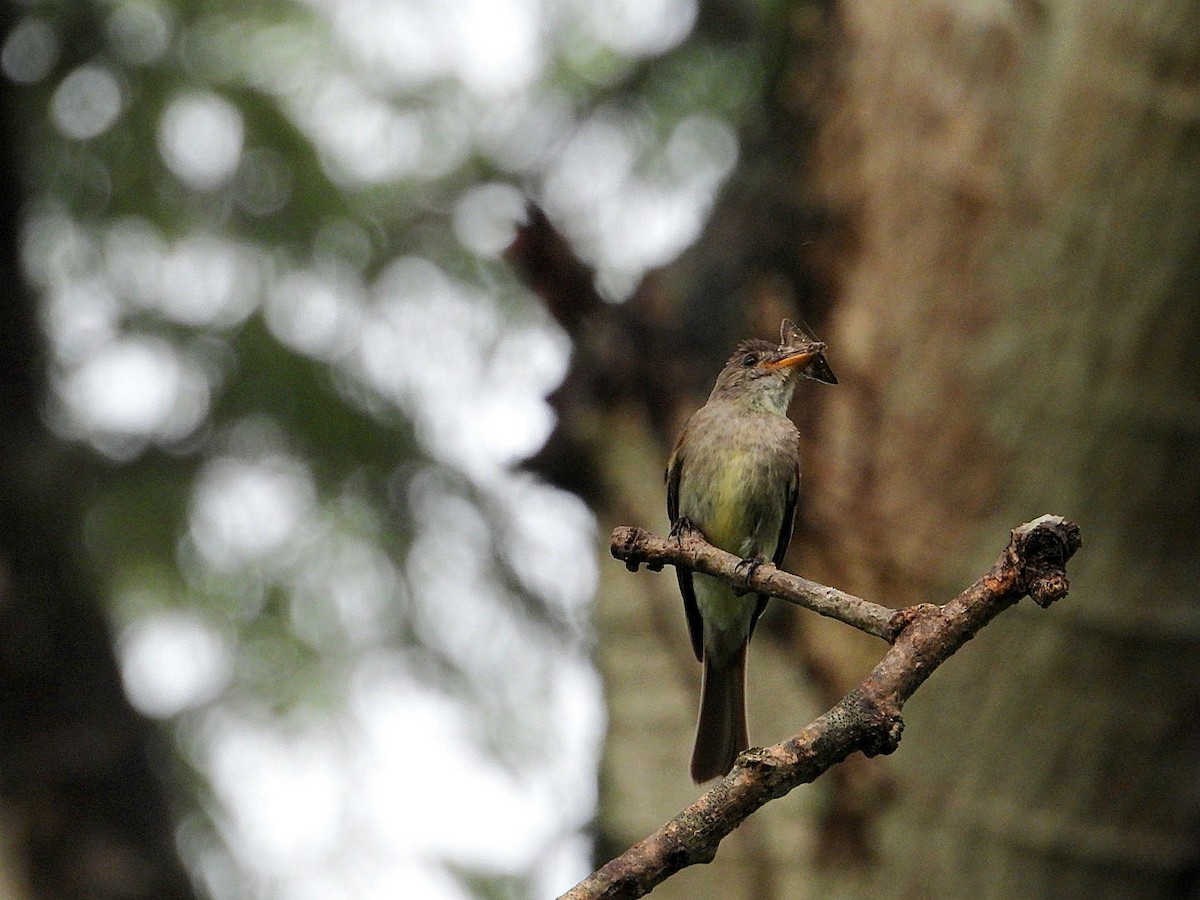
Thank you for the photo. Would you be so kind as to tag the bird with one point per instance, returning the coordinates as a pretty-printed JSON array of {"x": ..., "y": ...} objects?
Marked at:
[{"x": 734, "y": 476}]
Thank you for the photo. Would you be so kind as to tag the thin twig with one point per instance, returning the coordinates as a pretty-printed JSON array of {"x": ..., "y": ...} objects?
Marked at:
[
  {"x": 634, "y": 546},
  {"x": 867, "y": 719}
]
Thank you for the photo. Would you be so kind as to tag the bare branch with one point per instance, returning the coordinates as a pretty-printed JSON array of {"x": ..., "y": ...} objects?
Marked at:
[
  {"x": 867, "y": 719},
  {"x": 634, "y": 546}
]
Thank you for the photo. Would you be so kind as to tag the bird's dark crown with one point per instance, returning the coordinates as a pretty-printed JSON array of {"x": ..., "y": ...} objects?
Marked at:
[{"x": 758, "y": 348}]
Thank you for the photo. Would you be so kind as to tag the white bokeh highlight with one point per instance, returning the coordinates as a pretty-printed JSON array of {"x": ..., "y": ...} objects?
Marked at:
[
  {"x": 30, "y": 51},
  {"x": 318, "y": 313},
  {"x": 486, "y": 216},
  {"x": 86, "y": 103},
  {"x": 492, "y": 46},
  {"x": 200, "y": 138},
  {"x": 440, "y": 349},
  {"x": 173, "y": 661},
  {"x": 199, "y": 279},
  {"x": 246, "y": 510},
  {"x": 139, "y": 30},
  {"x": 133, "y": 390},
  {"x": 640, "y": 27}
]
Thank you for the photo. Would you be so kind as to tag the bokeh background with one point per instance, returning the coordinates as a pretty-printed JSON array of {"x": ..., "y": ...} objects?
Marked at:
[{"x": 338, "y": 335}]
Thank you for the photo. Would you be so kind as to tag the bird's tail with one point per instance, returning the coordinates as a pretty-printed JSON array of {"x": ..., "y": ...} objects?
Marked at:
[{"x": 721, "y": 729}]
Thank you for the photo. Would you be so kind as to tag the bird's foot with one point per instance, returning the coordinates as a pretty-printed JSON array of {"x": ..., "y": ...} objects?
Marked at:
[
  {"x": 682, "y": 527},
  {"x": 746, "y": 568}
]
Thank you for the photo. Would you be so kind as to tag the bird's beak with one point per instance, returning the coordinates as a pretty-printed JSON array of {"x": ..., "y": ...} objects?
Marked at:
[
  {"x": 811, "y": 359},
  {"x": 797, "y": 356}
]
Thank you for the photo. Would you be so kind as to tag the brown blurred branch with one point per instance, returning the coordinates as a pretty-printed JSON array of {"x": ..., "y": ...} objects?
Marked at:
[
  {"x": 866, "y": 719},
  {"x": 624, "y": 353},
  {"x": 545, "y": 260}
]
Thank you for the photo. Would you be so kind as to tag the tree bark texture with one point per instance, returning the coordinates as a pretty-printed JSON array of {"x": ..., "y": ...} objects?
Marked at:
[{"x": 1019, "y": 330}]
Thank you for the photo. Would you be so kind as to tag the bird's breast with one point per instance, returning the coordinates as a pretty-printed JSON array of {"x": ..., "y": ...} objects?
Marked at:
[{"x": 737, "y": 473}]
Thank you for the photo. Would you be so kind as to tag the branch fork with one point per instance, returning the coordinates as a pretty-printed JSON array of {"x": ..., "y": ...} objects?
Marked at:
[{"x": 867, "y": 719}]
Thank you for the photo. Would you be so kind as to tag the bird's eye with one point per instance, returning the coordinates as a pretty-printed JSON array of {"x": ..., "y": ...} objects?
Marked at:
[{"x": 748, "y": 360}]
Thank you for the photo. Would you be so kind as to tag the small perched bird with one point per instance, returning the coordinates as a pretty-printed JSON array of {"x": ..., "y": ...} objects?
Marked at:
[{"x": 734, "y": 476}]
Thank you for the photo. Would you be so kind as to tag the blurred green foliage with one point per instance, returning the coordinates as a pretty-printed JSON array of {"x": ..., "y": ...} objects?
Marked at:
[{"x": 341, "y": 162}]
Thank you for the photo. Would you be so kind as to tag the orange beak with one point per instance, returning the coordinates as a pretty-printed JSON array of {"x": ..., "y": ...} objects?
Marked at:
[{"x": 798, "y": 357}]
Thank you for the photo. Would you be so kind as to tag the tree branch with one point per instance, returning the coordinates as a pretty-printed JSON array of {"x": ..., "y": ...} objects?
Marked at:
[
  {"x": 866, "y": 719},
  {"x": 634, "y": 546}
]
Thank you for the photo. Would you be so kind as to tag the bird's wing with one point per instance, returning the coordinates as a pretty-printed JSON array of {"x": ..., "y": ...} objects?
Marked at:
[
  {"x": 785, "y": 536},
  {"x": 684, "y": 576},
  {"x": 695, "y": 622},
  {"x": 789, "y": 516},
  {"x": 674, "y": 466}
]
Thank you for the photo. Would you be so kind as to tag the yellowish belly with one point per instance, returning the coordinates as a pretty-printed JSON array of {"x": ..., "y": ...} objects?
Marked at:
[{"x": 736, "y": 507}]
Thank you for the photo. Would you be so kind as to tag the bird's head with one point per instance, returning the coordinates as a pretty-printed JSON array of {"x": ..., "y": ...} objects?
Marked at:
[{"x": 765, "y": 374}]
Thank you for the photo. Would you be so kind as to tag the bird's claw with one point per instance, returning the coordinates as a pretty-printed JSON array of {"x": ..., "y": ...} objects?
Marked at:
[
  {"x": 681, "y": 528},
  {"x": 747, "y": 567}
]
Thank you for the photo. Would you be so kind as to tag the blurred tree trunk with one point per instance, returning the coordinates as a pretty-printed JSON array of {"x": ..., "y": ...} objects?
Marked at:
[
  {"x": 82, "y": 811},
  {"x": 1020, "y": 328},
  {"x": 1003, "y": 202}
]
